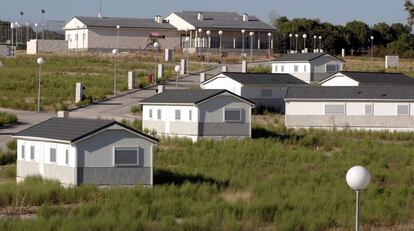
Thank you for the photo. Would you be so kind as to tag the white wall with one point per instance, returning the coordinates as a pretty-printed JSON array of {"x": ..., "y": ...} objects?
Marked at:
[
  {"x": 179, "y": 23},
  {"x": 304, "y": 108},
  {"x": 168, "y": 113},
  {"x": 82, "y": 38},
  {"x": 223, "y": 82},
  {"x": 303, "y": 73},
  {"x": 340, "y": 80}
]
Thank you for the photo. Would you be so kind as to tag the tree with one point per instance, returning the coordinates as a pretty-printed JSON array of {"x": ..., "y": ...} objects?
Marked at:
[
  {"x": 409, "y": 7},
  {"x": 359, "y": 34},
  {"x": 404, "y": 43}
]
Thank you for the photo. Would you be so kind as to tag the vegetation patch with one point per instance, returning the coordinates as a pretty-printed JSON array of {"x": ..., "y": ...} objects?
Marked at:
[{"x": 7, "y": 118}]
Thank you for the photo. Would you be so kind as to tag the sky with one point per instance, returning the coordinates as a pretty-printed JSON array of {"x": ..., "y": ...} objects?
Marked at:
[{"x": 334, "y": 11}]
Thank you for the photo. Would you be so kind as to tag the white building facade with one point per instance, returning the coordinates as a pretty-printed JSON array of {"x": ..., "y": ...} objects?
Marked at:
[{"x": 357, "y": 78}]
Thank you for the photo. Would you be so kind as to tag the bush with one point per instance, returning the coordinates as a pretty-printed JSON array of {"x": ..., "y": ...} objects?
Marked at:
[
  {"x": 7, "y": 118},
  {"x": 136, "y": 109},
  {"x": 8, "y": 158}
]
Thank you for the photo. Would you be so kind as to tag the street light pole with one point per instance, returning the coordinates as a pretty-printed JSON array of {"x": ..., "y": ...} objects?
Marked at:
[
  {"x": 269, "y": 35},
  {"x": 40, "y": 61},
  {"x": 251, "y": 45},
  {"x": 296, "y": 36},
  {"x": 114, "y": 52},
  {"x": 320, "y": 43},
  {"x": 12, "y": 27},
  {"x": 304, "y": 42},
  {"x": 27, "y": 32},
  {"x": 117, "y": 36},
  {"x": 177, "y": 70},
  {"x": 314, "y": 43},
  {"x": 209, "y": 45},
  {"x": 36, "y": 25},
  {"x": 43, "y": 23},
  {"x": 243, "y": 32},
  {"x": 290, "y": 43},
  {"x": 187, "y": 42},
  {"x": 221, "y": 37},
  {"x": 372, "y": 45},
  {"x": 156, "y": 45},
  {"x": 200, "y": 31}
]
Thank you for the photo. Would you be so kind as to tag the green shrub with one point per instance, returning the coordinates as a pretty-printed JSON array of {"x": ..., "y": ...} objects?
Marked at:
[
  {"x": 136, "y": 109},
  {"x": 7, "y": 158},
  {"x": 7, "y": 118}
]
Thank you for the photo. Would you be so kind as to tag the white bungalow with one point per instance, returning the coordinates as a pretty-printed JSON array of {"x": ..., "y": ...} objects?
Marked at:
[{"x": 357, "y": 78}]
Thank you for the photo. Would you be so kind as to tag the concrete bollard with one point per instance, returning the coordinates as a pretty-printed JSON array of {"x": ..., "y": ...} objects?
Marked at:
[
  {"x": 160, "y": 72},
  {"x": 161, "y": 89},
  {"x": 63, "y": 114},
  {"x": 168, "y": 55},
  {"x": 131, "y": 80},
  {"x": 183, "y": 66},
  {"x": 202, "y": 77},
  {"x": 79, "y": 92},
  {"x": 224, "y": 69},
  {"x": 244, "y": 66}
]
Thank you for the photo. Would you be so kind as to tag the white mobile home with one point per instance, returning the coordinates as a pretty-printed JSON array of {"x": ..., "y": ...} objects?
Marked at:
[
  {"x": 372, "y": 108},
  {"x": 265, "y": 90},
  {"x": 77, "y": 151},
  {"x": 357, "y": 78},
  {"x": 308, "y": 67},
  {"x": 197, "y": 113}
]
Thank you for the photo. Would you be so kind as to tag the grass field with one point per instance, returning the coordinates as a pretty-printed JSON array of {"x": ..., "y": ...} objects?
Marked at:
[
  {"x": 280, "y": 180},
  {"x": 19, "y": 78}
]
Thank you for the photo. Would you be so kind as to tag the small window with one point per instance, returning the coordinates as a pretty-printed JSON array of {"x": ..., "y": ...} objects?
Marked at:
[
  {"x": 368, "y": 109},
  {"x": 282, "y": 69},
  {"x": 159, "y": 114},
  {"x": 333, "y": 68},
  {"x": 67, "y": 156},
  {"x": 32, "y": 152},
  {"x": 402, "y": 109},
  {"x": 126, "y": 156},
  {"x": 296, "y": 68},
  {"x": 53, "y": 155},
  {"x": 304, "y": 68},
  {"x": 266, "y": 92},
  {"x": 275, "y": 68},
  {"x": 84, "y": 36},
  {"x": 335, "y": 109},
  {"x": 23, "y": 152},
  {"x": 190, "y": 115},
  {"x": 150, "y": 113},
  {"x": 232, "y": 115},
  {"x": 177, "y": 114}
]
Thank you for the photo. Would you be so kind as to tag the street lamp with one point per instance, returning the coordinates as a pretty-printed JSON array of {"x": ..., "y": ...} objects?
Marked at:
[
  {"x": 114, "y": 52},
  {"x": 12, "y": 27},
  {"x": 304, "y": 36},
  {"x": 314, "y": 42},
  {"x": 320, "y": 43},
  {"x": 17, "y": 36},
  {"x": 243, "y": 31},
  {"x": 27, "y": 31},
  {"x": 358, "y": 178},
  {"x": 187, "y": 42},
  {"x": 221, "y": 37},
  {"x": 36, "y": 25},
  {"x": 177, "y": 70},
  {"x": 251, "y": 45},
  {"x": 209, "y": 45},
  {"x": 296, "y": 36},
  {"x": 40, "y": 61},
  {"x": 200, "y": 31},
  {"x": 156, "y": 46},
  {"x": 290, "y": 43},
  {"x": 372, "y": 45},
  {"x": 270, "y": 36},
  {"x": 117, "y": 36}
]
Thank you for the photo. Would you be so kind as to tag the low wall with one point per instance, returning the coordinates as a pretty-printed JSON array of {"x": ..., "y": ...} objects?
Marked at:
[{"x": 46, "y": 46}]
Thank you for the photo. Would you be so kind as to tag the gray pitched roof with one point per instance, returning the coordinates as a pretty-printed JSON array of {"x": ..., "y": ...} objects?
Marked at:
[
  {"x": 71, "y": 129},
  {"x": 365, "y": 92},
  {"x": 186, "y": 96},
  {"x": 123, "y": 22},
  {"x": 223, "y": 20},
  {"x": 263, "y": 78},
  {"x": 302, "y": 57},
  {"x": 379, "y": 78}
]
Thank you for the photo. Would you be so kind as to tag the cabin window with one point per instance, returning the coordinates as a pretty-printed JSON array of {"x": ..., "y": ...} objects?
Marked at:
[
  {"x": 190, "y": 115},
  {"x": 282, "y": 68},
  {"x": 275, "y": 68},
  {"x": 150, "y": 113},
  {"x": 232, "y": 115},
  {"x": 23, "y": 152},
  {"x": 32, "y": 152},
  {"x": 369, "y": 109},
  {"x": 304, "y": 68},
  {"x": 53, "y": 155},
  {"x": 126, "y": 156},
  {"x": 67, "y": 156},
  {"x": 403, "y": 109},
  {"x": 334, "y": 68},
  {"x": 266, "y": 92},
  {"x": 295, "y": 68},
  {"x": 177, "y": 114},
  {"x": 159, "y": 114},
  {"x": 335, "y": 109}
]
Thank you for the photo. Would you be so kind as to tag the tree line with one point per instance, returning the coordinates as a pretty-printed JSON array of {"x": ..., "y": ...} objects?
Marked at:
[{"x": 354, "y": 37}]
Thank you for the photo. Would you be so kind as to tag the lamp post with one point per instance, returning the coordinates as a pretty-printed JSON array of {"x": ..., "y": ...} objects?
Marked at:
[
  {"x": 40, "y": 61},
  {"x": 12, "y": 27},
  {"x": 314, "y": 42},
  {"x": 270, "y": 36},
  {"x": 290, "y": 43},
  {"x": 358, "y": 178},
  {"x": 117, "y": 36},
  {"x": 251, "y": 45},
  {"x": 209, "y": 45},
  {"x": 177, "y": 70},
  {"x": 43, "y": 23},
  {"x": 17, "y": 35},
  {"x": 372, "y": 45},
  {"x": 36, "y": 25},
  {"x": 296, "y": 36},
  {"x": 320, "y": 43},
  {"x": 304, "y": 36},
  {"x": 200, "y": 31},
  {"x": 156, "y": 46},
  {"x": 187, "y": 42},
  {"x": 243, "y": 31},
  {"x": 114, "y": 53},
  {"x": 221, "y": 37},
  {"x": 27, "y": 31}
]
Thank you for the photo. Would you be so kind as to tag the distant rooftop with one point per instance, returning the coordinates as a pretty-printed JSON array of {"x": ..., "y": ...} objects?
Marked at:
[
  {"x": 352, "y": 93},
  {"x": 378, "y": 78},
  {"x": 302, "y": 57},
  {"x": 262, "y": 78},
  {"x": 223, "y": 20},
  {"x": 123, "y": 22}
]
